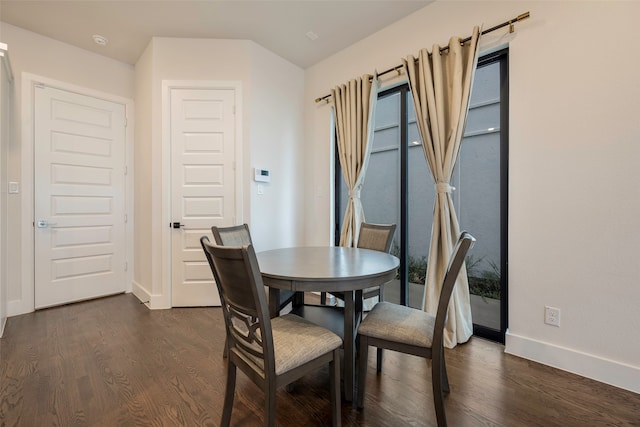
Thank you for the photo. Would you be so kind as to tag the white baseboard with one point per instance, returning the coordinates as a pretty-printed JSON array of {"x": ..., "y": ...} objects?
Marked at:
[
  {"x": 18, "y": 307},
  {"x": 587, "y": 365},
  {"x": 140, "y": 292},
  {"x": 154, "y": 302},
  {"x": 158, "y": 302}
]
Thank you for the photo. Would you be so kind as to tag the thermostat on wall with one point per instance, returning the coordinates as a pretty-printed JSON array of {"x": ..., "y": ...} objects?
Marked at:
[{"x": 262, "y": 175}]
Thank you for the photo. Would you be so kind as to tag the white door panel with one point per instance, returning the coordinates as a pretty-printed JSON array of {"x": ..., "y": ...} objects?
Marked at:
[
  {"x": 202, "y": 184},
  {"x": 79, "y": 183}
]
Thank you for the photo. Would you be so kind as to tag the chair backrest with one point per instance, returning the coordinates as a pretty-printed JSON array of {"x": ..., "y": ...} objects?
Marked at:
[
  {"x": 464, "y": 243},
  {"x": 376, "y": 236},
  {"x": 237, "y": 235},
  {"x": 244, "y": 302}
]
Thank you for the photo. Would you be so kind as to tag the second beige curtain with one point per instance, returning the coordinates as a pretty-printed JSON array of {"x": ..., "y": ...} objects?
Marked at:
[
  {"x": 440, "y": 83},
  {"x": 354, "y": 109}
]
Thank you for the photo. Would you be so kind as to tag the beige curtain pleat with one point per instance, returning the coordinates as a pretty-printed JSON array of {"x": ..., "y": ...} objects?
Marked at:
[
  {"x": 354, "y": 109},
  {"x": 441, "y": 88}
]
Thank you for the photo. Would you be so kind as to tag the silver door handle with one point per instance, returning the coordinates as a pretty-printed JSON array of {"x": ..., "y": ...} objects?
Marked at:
[{"x": 43, "y": 223}]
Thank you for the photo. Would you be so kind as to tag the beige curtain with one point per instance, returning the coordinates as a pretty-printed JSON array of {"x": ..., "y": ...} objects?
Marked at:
[
  {"x": 354, "y": 109},
  {"x": 441, "y": 86}
]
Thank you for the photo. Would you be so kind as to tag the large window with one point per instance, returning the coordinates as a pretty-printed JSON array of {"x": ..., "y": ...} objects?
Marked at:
[{"x": 398, "y": 188}]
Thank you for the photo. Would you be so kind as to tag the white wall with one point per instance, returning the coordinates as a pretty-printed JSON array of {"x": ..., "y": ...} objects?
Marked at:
[
  {"x": 6, "y": 130},
  {"x": 575, "y": 190},
  {"x": 143, "y": 210},
  {"x": 57, "y": 61},
  {"x": 277, "y": 143},
  {"x": 574, "y": 196},
  {"x": 271, "y": 116}
]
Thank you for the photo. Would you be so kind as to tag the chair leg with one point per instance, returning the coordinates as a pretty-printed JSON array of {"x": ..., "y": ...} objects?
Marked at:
[
  {"x": 228, "y": 395},
  {"x": 270, "y": 405},
  {"x": 334, "y": 371},
  {"x": 363, "y": 359},
  {"x": 445, "y": 378},
  {"x": 225, "y": 351},
  {"x": 437, "y": 381},
  {"x": 379, "y": 355}
]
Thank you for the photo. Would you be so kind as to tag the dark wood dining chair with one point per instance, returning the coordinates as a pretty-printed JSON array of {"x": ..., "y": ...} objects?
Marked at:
[
  {"x": 236, "y": 235},
  {"x": 271, "y": 352},
  {"x": 412, "y": 331},
  {"x": 239, "y": 235},
  {"x": 377, "y": 237}
]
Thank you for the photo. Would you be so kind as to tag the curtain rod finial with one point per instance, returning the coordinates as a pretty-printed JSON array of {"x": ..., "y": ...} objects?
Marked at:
[{"x": 522, "y": 16}]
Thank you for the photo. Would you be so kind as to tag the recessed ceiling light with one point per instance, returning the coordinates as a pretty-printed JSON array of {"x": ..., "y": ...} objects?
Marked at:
[
  {"x": 100, "y": 40},
  {"x": 311, "y": 35}
]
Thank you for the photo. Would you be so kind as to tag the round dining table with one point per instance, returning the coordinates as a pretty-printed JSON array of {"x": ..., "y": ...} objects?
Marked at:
[{"x": 326, "y": 269}]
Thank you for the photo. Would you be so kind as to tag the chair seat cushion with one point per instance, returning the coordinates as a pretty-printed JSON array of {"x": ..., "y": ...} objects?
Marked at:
[
  {"x": 297, "y": 341},
  {"x": 399, "y": 323}
]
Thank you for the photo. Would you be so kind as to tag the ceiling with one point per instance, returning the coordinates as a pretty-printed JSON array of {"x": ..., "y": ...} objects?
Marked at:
[{"x": 280, "y": 26}]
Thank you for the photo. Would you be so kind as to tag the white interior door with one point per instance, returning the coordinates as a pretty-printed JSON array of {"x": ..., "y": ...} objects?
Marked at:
[
  {"x": 202, "y": 186},
  {"x": 79, "y": 182}
]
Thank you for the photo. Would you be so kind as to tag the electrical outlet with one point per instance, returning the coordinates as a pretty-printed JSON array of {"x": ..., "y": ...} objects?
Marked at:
[{"x": 552, "y": 316}]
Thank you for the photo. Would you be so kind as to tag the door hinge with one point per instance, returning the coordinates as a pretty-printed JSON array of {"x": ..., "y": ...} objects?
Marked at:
[
  {"x": 126, "y": 122},
  {"x": 126, "y": 218},
  {"x": 126, "y": 170},
  {"x": 126, "y": 266}
]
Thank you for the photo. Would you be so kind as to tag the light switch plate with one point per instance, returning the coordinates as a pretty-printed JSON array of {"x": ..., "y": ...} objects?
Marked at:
[{"x": 14, "y": 187}]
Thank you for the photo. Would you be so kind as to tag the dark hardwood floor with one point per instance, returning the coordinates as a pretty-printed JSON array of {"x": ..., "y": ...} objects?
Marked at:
[{"x": 114, "y": 362}]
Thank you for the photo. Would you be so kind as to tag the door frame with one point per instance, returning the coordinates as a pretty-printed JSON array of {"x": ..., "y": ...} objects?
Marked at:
[
  {"x": 26, "y": 303},
  {"x": 164, "y": 299}
]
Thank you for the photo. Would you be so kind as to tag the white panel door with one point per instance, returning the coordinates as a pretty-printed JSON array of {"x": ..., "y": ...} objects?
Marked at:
[
  {"x": 202, "y": 186},
  {"x": 79, "y": 182}
]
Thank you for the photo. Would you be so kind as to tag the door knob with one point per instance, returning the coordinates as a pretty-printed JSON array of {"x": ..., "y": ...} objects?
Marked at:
[
  {"x": 43, "y": 223},
  {"x": 177, "y": 225}
]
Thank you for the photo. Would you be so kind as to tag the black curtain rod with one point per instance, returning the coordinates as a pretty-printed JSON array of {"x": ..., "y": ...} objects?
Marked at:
[{"x": 397, "y": 68}]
